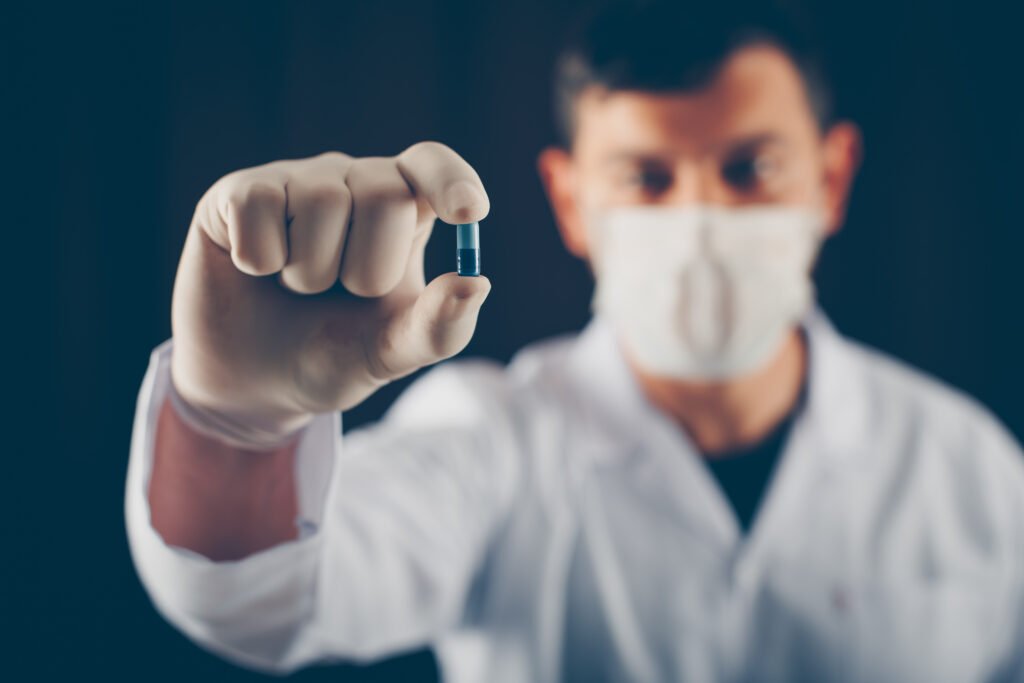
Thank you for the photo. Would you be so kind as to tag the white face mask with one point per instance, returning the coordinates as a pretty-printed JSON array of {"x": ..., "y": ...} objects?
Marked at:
[{"x": 703, "y": 292}]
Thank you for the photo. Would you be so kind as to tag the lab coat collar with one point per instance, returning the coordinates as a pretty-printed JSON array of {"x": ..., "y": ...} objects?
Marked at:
[{"x": 833, "y": 416}]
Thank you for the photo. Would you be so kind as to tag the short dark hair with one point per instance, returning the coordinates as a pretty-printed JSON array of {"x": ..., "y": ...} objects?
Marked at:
[{"x": 667, "y": 45}]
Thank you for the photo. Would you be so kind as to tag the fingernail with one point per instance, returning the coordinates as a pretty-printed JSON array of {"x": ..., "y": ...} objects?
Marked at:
[{"x": 464, "y": 200}]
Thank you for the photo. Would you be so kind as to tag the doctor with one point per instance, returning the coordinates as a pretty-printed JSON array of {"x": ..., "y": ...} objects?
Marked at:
[{"x": 708, "y": 483}]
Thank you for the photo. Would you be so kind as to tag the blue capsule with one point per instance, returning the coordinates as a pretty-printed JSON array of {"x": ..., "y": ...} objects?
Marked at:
[{"x": 468, "y": 257}]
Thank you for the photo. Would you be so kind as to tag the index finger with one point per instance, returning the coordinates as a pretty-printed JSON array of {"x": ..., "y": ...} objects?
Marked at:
[{"x": 446, "y": 181}]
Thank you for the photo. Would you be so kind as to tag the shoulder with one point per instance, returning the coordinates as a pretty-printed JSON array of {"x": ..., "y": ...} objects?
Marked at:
[
  {"x": 944, "y": 413},
  {"x": 952, "y": 447}
]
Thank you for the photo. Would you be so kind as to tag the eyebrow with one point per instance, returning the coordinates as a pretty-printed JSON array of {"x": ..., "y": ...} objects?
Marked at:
[
  {"x": 753, "y": 142},
  {"x": 636, "y": 155},
  {"x": 731, "y": 147}
]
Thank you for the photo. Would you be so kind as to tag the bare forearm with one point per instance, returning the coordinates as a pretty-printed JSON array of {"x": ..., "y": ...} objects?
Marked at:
[{"x": 220, "y": 501}]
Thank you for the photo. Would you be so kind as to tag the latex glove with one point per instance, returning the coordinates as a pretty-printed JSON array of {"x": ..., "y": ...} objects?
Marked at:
[{"x": 263, "y": 337}]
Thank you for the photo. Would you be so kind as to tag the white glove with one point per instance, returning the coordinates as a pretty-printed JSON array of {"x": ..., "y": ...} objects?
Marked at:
[{"x": 255, "y": 357}]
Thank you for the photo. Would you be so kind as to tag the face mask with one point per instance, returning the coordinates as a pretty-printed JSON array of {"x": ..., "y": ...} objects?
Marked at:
[{"x": 703, "y": 292}]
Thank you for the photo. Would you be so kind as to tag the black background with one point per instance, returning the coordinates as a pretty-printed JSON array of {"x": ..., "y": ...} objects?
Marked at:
[{"x": 121, "y": 116}]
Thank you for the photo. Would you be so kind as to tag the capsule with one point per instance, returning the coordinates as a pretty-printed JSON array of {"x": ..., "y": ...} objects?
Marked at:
[{"x": 468, "y": 256}]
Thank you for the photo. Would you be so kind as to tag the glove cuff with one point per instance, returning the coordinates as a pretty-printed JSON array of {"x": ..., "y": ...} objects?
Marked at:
[{"x": 244, "y": 433}]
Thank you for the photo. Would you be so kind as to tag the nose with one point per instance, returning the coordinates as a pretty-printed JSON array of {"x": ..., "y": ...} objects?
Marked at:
[{"x": 699, "y": 183}]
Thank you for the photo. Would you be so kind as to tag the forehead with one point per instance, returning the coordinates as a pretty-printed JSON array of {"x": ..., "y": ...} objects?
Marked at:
[{"x": 757, "y": 90}]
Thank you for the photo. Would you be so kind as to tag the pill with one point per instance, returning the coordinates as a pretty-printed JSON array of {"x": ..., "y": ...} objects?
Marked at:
[{"x": 468, "y": 257}]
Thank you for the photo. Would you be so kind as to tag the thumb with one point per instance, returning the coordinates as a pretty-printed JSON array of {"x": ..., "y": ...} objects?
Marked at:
[{"x": 436, "y": 326}]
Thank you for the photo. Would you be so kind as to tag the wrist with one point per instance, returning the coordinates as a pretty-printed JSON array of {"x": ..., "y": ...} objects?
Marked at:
[{"x": 237, "y": 428}]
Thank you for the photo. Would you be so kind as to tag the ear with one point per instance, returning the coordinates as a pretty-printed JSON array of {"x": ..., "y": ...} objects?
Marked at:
[
  {"x": 558, "y": 175},
  {"x": 843, "y": 153}
]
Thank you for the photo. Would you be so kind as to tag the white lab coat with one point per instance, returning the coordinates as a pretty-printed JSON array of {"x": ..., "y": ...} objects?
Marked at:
[{"x": 542, "y": 522}]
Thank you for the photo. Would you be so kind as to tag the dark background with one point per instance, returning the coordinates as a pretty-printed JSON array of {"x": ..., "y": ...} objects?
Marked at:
[{"x": 121, "y": 116}]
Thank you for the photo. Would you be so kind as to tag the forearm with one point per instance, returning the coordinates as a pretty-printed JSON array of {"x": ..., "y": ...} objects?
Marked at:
[{"x": 218, "y": 500}]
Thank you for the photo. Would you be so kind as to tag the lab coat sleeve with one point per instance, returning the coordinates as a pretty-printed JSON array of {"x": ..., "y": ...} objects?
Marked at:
[
  {"x": 1007, "y": 459},
  {"x": 395, "y": 519}
]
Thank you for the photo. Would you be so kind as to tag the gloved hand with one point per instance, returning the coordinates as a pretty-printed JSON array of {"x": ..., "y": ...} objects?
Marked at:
[{"x": 260, "y": 344}]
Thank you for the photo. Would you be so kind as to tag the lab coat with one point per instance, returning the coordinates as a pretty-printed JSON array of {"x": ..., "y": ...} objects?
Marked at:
[{"x": 541, "y": 521}]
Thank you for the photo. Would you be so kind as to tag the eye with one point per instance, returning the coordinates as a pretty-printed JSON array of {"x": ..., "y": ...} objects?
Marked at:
[
  {"x": 747, "y": 173},
  {"x": 649, "y": 180}
]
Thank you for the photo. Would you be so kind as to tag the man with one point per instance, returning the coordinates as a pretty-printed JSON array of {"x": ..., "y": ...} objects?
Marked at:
[{"x": 708, "y": 483}]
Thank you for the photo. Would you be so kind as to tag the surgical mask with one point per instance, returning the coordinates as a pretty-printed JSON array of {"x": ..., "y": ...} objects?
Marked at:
[{"x": 703, "y": 292}]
